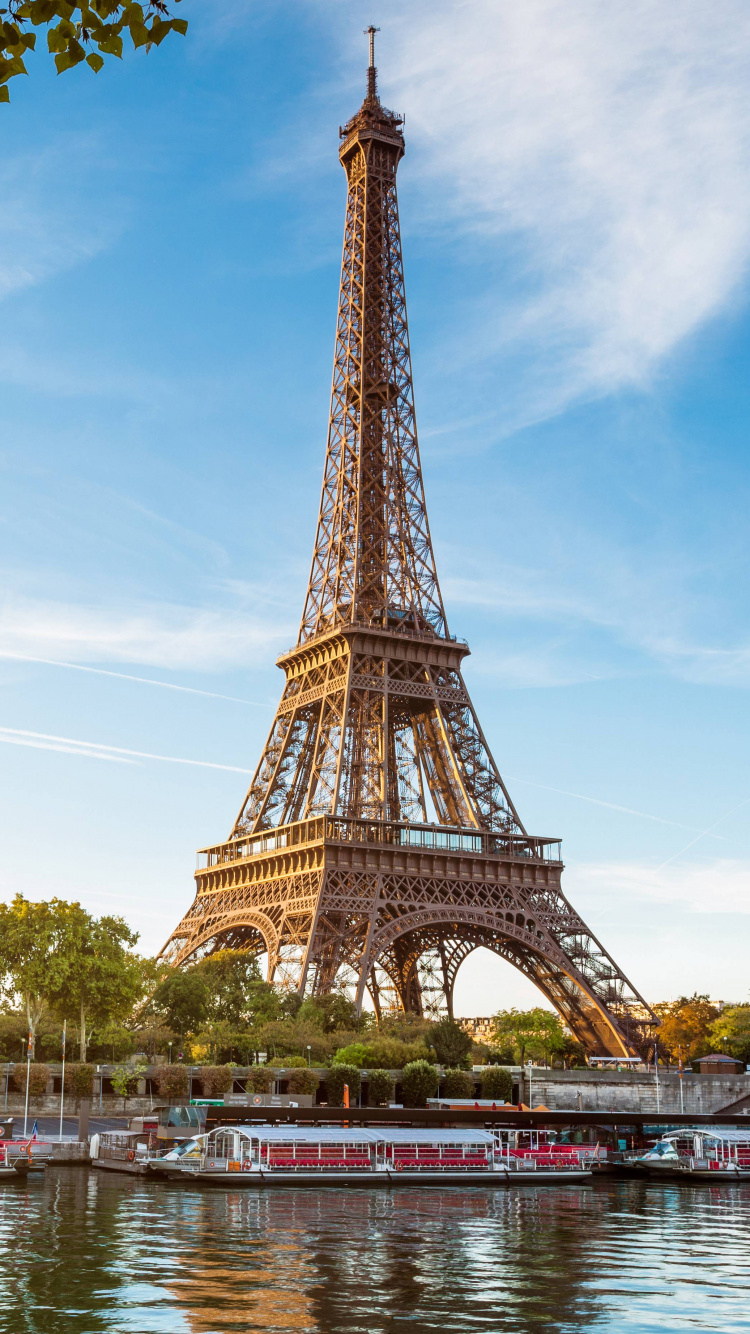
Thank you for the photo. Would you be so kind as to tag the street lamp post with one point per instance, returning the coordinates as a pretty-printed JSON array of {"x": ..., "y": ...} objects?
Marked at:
[
  {"x": 169, "y": 1044},
  {"x": 656, "y": 1073},
  {"x": 308, "y": 1055},
  {"x": 530, "y": 1064}
]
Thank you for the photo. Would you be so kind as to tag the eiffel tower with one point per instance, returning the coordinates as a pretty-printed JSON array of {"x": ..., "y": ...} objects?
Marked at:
[{"x": 378, "y": 846}]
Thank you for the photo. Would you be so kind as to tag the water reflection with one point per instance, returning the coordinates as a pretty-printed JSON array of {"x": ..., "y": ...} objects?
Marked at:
[{"x": 94, "y": 1252}]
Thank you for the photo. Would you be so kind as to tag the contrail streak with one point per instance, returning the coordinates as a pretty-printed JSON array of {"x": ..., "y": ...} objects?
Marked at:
[
  {"x": 96, "y": 750},
  {"x": 610, "y": 805},
  {"x": 703, "y": 833},
  {"x": 125, "y": 676}
]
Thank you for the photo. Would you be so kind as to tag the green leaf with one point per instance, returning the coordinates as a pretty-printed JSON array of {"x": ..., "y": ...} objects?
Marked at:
[
  {"x": 180, "y": 25},
  {"x": 4, "y": 95},
  {"x": 139, "y": 33},
  {"x": 56, "y": 41},
  {"x": 43, "y": 11},
  {"x": 69, "y": 58},
  {"x": 95, "y": 62},
  {"x": 158, "y": 31},
  {"x": 112, "y": 46}
]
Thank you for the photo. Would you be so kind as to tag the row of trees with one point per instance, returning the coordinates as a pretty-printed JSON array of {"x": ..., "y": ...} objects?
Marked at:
[{"x": 692, "y": 1026}]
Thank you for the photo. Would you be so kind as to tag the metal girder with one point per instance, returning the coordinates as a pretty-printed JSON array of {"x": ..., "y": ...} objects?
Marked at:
[{"x": 377, "y": 845}]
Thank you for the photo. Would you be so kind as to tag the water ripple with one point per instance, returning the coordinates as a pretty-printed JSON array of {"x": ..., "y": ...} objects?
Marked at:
[{"x": 88, "y": 1253}]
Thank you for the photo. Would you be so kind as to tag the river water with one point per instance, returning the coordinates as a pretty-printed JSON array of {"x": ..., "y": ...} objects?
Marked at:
[{"x": 85, "y": 1251}]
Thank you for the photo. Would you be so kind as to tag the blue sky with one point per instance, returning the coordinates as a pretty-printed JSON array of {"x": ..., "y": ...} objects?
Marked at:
[{"x": 575, "y": 205}]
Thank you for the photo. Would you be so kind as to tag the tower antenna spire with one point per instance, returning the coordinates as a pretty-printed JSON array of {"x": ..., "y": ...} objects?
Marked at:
[{"x": 372, "y": 73}]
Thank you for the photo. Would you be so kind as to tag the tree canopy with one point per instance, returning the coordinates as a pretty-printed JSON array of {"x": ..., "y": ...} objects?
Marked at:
[
  {"x": 78, "y": 33},
  {"x": 538, "y": 1032},
  {"x": 685, "y": 1026},
  {"x": 55, "y": 955}
]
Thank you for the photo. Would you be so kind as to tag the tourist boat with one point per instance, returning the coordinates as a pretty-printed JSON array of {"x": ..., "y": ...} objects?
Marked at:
[
  {"x": 13, "y": 1167},
  {"x": 703, "y": 1153},
  {"x": 124, "y": 1151},
  {"x": 299, "y": 1155}
]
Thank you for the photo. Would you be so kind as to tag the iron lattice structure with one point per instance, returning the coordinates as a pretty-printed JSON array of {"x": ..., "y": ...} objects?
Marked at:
[{"x": 378, "y": 846}]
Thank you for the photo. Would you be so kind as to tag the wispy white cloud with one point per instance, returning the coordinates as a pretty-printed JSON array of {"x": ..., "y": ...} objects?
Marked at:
[
  {"x": 609, "y": 145},
  {"x": 126, "y": 676},
  {"x": 720, "y": 886},
  {"x": 157, "y": 634},
  {"x": 42, "y": 229},
  {"x": 16, "y": 736}
]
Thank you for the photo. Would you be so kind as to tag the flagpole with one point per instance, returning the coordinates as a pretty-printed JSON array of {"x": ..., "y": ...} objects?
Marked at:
[
  {"x": 62, "y": 1083},
  {"x": 28, "y": 1076}
]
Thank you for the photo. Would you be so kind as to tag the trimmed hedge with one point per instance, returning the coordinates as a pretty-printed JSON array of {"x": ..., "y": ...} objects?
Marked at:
[
  {"x": 381, "y": 1088},
  {"x": 79, "y": 1080},
  {"x": 336, "y": 1077},
  {"x": 38, "y": 1078},
  {"x": 260, "y": 1080},
  {"x": 216, "y": 1080},
  {"x": 172, "y": 1081},
  {"x": 458, "y": 1084},
  {"x": 497, "y": 1083},
  {"x": 419, "y": 1081},
  {"x": 303, "y": 1081}
]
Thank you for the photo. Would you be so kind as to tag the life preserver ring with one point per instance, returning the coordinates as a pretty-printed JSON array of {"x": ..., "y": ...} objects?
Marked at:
[
  {"x": 398, "y": 1167},
  {"x": 257, "y": 1100},
  {"x": 212, "y": 1164},
  {"x": 131, "y": 1156}
]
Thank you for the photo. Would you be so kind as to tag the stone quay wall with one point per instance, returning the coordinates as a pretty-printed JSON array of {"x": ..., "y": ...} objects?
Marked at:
[{"x": 632, "y": 1091}]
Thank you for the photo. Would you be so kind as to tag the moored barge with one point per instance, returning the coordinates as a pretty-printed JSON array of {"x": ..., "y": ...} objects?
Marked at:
[{"x": 340, "y": 1156}]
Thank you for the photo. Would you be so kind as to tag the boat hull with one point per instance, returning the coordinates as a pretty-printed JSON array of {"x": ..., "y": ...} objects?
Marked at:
[{"x": 494, "y": 1178}]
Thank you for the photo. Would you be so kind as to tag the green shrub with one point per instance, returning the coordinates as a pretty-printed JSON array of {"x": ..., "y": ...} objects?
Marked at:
[
  {"x": 172, "y": 1081},
  {"x": 260, "y": 1080},
  {"x": 294, "y": 1062},
  {"x": 303, "y": 1081},
  {"x": 38, "y": 1079},
  {"x": 497, "y": 1083},
  {"x": 419, "y": 1081},
  {"x": 216, "y": 1079},
  {"x": 451, "y": 1042},
  {"x": 458, "y": 1084},
  {"x": 381, "y": 1088},
  {"x": 337, "y": 1076},
  {"x": 125, "y": 1079},
  {"x": 356, "y": 1054},
  {"x": 79, "y": 1080}
]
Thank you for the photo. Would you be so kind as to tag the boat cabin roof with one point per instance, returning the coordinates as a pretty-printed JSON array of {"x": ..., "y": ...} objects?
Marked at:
[
  {"x": 729, "y": 1134},
  {"x": 363, "y": 1135}
]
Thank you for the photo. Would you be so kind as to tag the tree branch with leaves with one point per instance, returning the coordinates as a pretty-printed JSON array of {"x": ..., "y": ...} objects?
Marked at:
[{"x": 80, "y": 33}]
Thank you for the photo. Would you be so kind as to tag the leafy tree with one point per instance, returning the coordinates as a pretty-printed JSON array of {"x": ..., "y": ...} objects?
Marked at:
[
  {"x": 337, "y": 1077},
  {"x": 452, "y": 1043},
  {"x": 125, "y": 1080},
  {"x": 182, "y": 1000},
  {"x": 94, "y": 25},
  {"x": 355, "y": 1054},
  {"x": 538, "y": 1032},
  {"x": 99, "y": 979},
  {"x": 228, "y": 976},
  {"x": 338, "y": 1012},
  {"x": 380, "y": 1088},
  {"x": 419, "y": 1081},
  {"x": 685, "y": 1026},
  {"x": 497, "y": 1083},
  {"x": 458, "y": 1084},
  {"x": 34, "y": 949},
  {"x": 733, "y": 1025}
]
